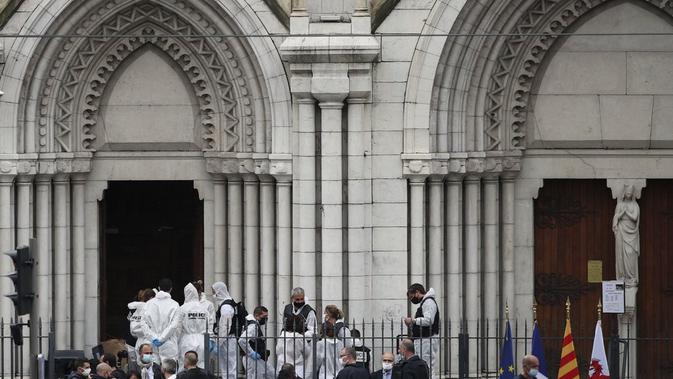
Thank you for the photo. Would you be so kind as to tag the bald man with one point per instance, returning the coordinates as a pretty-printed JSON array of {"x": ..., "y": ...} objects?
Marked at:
[
  {"x": 529, "y": 367},
  {"x": 387, "y": 361}
]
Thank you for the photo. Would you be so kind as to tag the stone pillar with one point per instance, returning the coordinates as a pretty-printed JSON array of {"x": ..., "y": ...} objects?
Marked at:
[
  {"x": 435, "y": 243},
  {"x": 6, "y": 307},
  {"x": 235, "y": 228},
  {"x": 331, "y": 188},
  {"x": 283, "y": 242},
  {"x": 220, "y": 227},
  {"x": 359, "y": 194},
  {"x": 491, "y": 265},
  {"x": 268, "y": 243},
  {"x": 454, "y": 259},
  {"x": 251, "y": 236},
  {"x": 472, "y": 274},
  {"x": 304, "y": 200},
  {"x": 60, "y": 260},
  {"x": 78, "y": 278},
  {"x": 417, "y": 234},
  {"x": 43, "y": 287},
  {"x": 94, "y": 191},
  {"x": 24, "y": 186},
  {"x": 507, "y": 240}
]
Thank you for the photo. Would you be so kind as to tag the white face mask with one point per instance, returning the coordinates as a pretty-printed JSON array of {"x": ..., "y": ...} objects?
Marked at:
[
  {"x": 86, "y": 371},
  {"x": 387, "y": 366},
  {"x": 533, "y": 372}
]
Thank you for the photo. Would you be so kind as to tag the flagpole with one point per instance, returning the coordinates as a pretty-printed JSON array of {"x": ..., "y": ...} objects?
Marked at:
[
  {"x": 568, "y": 308},
  {"x": 600, "y": 309}
]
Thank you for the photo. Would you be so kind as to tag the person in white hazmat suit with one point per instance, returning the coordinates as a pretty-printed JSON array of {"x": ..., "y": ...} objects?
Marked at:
[
  {"x": 253, "y": 342},
  {"x": 189, "y": 324},
  {"x": 328, "y": 351},
  {"x": 425, "y": 326},
  {"x": 135, "y": 317},
  {"x": 291, "y": 345},
  {"x": 227, "y": 349},
  {"x": 157, "y": 316}
]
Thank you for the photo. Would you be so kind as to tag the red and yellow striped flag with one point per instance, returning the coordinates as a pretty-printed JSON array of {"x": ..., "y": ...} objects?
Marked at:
[{"x": 568, "y": 367}]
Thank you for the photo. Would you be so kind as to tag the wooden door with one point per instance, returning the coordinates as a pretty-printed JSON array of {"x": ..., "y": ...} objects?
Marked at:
[
  {"x": 573, "y": 224},
  {"x": 655, "y": 290}
]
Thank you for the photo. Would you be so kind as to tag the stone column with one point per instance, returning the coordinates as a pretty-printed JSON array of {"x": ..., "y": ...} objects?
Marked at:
[
  {"x": 78, "y": 278},
  {"x": 491, "y": 265},
  {"x": 24, "y": 186},
  {"x": 454, "y": 259},
  {"x": 60, "y": 260},
  {"x": 268, "y": 243},
  {"x": 359, "y": 199},
  {"x": 472, "y": 260},
  {"x": 417, "y": 234},
  {"x": 507, "y": 239},
  {"x": 235, "y": 228},
  {"x": 435, "y": 243},
  {"x": 220, "y": 227},
  {"x": 331, "y": 188},
  {"x": 283, "y": 242},
  {"x": 94, "y": 191},
  {"x": 251, "y": 235},
  {"x": 6, "y": 307},
  {"x": 43, "y": 287},
  {"x": 304, "y": 200}
]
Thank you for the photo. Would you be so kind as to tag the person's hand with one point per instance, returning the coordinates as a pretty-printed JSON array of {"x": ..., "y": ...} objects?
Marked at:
[
  {"x": 255, "y": 356},
  {"x": 408, "y": 321},
  {"x": 156, "y": 342},
  {"x": 212, "y": 346}
]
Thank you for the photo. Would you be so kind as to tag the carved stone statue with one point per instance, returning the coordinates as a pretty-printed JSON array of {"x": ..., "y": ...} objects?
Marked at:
[{"x": 625, "y": 224}]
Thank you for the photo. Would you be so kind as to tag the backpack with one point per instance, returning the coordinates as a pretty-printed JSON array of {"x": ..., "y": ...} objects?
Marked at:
[{"x": 238, "y": 321}]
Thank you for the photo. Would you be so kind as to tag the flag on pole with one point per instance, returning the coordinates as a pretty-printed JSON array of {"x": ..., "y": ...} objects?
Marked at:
[
  {"x": 598, "y": 368},
  {"x": 538, "y": 351},
  {"x": 506, "y": 368},
  {"x": 568, "y": 367}
]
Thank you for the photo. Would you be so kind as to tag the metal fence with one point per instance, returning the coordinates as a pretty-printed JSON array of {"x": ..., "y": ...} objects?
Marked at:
[
  {"x": 462, "y": 351},
  {"x": 15, "y": 359}
]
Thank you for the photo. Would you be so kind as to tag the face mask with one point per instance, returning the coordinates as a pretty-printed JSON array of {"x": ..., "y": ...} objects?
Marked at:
[
  {"x": 263, "y": 321},
  {"x": 86, "y": 372},
  {"x": 298, "y": 304},
  {"x": 148, "y": 358},
  {"x": 387, "y": 366},
  {"x": 532, "y": 372},
  {"x": 415, "y": 300}
]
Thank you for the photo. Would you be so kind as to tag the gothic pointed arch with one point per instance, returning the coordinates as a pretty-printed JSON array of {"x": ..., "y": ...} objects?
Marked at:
[{"x": 239, "y": 87}]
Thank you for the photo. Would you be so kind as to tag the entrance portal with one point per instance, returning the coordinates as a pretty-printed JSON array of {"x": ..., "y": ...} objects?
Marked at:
[{"x": 150, "y": 230}]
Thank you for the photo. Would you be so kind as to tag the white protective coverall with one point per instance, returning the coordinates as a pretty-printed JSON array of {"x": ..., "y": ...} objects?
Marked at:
[
  {"x": 135, "y": 317},
  {"x": 290, "y": 349},
  {"x": 254, "y": 368},
  {"x": 227, "y": 347},
  {"x": 327, "y": 352},
  {"x": 428, "y": 348},
  {"x": 311, "y": 325},
  {"x": 157, "y": 316},
  {"x": 189, "y": 324}
]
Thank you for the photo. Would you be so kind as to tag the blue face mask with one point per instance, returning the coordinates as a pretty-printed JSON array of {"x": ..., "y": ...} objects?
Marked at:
[
  {"x": 148, "y": 358},
  {"x": 533, "y": 372}
]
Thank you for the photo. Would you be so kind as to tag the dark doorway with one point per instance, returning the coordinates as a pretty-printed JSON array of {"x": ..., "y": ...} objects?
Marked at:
[{"x": 150, "y": 230}]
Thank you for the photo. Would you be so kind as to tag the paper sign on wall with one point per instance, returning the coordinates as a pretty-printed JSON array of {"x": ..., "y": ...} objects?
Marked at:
[{"x": 613, "y": 296}]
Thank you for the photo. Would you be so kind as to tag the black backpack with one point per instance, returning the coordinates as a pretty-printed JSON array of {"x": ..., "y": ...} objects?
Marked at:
[{"x": 238, "y": 321}]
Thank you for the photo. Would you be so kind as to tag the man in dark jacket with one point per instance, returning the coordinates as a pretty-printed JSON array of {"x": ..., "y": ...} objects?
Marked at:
[
  {"x": 351, "y": 370},
  {"x": 412, "y": 367},
  {"x": 386, "y": 371},
  {"x": 192, "y": 371}
]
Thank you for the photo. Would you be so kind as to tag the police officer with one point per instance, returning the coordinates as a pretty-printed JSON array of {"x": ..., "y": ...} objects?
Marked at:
[
  {"x": 253, "y": 342},
  {"x": 425, "y": 325}
]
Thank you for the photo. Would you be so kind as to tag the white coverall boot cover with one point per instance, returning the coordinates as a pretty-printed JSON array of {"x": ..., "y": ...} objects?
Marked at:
[
  {"x": 157, "y": 317},
  {"x": 227, "y": 345}
]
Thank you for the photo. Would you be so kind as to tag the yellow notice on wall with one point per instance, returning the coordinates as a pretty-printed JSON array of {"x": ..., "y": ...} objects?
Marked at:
[{"x": 594, "y": 271}]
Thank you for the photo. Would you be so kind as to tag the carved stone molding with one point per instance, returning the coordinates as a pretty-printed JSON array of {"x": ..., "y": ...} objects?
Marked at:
[
  {"x": 617, "y": 186},
  {"x": 70, "y": 96},
  {"x": 238, "y": 164},
  {"x": 474, "y": 164}
]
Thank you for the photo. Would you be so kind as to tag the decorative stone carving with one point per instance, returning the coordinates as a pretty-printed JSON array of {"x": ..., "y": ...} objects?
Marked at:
[
  {"x": 625, "y": 225},
  {"x": 70, "y": 97}
]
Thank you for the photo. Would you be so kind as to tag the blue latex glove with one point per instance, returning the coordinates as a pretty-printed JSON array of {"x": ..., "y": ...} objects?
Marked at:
[
  {"x": 156, "y": 342},
  {"x": 212, "y": 346},
  {"x": 255, "y": 356}
]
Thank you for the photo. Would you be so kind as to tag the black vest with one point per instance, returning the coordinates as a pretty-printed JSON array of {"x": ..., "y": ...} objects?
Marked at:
[
  {"x": 426, "y": 331},
  {"x": 258, "y": 342},
  {"x": 288, "y": 313}
]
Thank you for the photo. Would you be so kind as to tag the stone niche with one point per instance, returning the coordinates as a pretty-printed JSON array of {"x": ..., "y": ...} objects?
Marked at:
[
  {"x": 607, "y": 91},
  {"x": 148, "y": 105}
]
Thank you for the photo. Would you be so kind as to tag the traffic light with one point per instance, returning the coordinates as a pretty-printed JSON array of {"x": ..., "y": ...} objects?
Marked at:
[{"x": 22, "y": 278}]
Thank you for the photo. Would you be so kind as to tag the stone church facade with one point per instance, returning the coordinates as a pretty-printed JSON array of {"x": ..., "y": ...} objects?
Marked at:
[{"x": 347, "y": 147}]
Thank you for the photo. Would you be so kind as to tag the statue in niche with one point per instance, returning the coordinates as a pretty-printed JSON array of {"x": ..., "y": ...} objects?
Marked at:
[{"x": 625, "y": 225}]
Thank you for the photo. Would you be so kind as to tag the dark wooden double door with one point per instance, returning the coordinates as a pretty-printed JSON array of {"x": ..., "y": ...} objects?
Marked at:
[{"x": 573, "y": 220}]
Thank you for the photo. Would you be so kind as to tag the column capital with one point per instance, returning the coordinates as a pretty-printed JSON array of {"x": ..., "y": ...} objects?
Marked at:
[
  {"x": 617, "y": 186},
  {"x": 416, "y": 165},
  {"x": 280, "y": 166}
]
